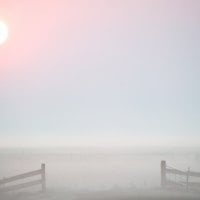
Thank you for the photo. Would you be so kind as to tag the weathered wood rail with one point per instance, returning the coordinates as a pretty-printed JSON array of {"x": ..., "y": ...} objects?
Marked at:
[
  {"x": 6, "y": 184},
  {"x": 185, "y": 178}
]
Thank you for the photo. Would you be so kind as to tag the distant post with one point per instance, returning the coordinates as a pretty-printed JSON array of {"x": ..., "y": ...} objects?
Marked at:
[
  {"x": 187, "y": 179},
  {"x": 43, "y": 176},
  {"x": 163, "y": 173}
]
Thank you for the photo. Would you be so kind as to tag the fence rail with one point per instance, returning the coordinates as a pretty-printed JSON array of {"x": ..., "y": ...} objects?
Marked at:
[
  {"x": 185, "y": 181},
  {"x": 5, "y": 182}
]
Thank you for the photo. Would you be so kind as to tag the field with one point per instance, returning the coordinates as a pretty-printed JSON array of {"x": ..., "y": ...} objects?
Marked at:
[
  {"x": 103, "y": 195},
  {"x": 85, "y": 174}
]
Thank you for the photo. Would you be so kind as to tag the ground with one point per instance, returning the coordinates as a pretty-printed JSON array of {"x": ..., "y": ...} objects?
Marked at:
[{"x": 103, "y": 195}]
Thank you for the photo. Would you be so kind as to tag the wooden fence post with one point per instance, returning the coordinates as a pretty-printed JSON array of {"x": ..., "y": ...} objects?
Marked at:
[
  {"x": 163, "y": 173},
  {"x": 43, "y": 176},
  {"x": 187, "y": 179}
]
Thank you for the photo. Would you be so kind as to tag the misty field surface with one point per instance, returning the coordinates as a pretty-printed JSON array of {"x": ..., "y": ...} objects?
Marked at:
[
  {"x": 76, "y": 173},
  {"x": 107, "y": 195}
]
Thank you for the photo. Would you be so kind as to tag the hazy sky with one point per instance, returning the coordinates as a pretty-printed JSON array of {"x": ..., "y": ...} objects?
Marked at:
[{"x": 100, "y": 72}]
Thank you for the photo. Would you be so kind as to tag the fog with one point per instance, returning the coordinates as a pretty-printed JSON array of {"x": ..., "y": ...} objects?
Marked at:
[
  {"x": 94, "y": 94},
  {"x": 91, "y": 172}
]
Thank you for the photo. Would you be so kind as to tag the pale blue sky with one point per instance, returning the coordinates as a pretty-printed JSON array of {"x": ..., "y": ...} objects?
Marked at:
[{"x": 100, "y": 72}]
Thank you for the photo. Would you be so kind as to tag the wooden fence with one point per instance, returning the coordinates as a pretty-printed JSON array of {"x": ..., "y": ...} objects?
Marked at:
[
  {"x": 181, "y": 179},
  {"x": 6, "y": 184}
]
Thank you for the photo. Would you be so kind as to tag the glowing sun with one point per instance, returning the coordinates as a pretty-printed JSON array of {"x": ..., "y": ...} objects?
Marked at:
[{"x": 3, "y": 32}]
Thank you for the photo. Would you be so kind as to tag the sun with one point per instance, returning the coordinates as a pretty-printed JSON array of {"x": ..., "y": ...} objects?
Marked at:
[{"x": 3, "y": 32}]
